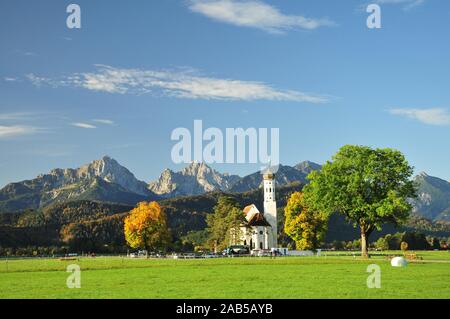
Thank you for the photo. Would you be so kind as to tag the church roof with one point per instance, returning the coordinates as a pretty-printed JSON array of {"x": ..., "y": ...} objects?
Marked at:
[
  {"x": 254, "y": 217},
  {"x": 258, "y": 219},
  {"x": 248, "y": 208}
]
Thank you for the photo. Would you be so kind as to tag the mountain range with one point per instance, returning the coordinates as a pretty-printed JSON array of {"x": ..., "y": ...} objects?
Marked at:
[
  {"x": 105, "y": 180},
  {"x": 102, "y": 180}
]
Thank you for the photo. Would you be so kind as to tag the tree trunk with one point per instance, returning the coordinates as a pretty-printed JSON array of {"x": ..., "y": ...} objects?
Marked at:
[{"x": 364, "y": 251}]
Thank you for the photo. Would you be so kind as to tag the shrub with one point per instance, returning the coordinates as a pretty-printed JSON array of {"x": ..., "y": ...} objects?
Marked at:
[
  {"x": 356, "y": 244},
  {"x": 404, "y": 246},
  {"x": 382, "y": 244}
]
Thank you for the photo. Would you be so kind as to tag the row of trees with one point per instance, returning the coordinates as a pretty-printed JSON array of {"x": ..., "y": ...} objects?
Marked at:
[
  {"x": 144, "y": 227},
  {"x": 104, "y": 235},
  {"x": 32, "y": 251},
  {"x": 413, "y": 240}
]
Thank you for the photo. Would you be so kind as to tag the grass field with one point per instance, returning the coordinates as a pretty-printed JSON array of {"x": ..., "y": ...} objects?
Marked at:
[{"x": 284, "y": 277}]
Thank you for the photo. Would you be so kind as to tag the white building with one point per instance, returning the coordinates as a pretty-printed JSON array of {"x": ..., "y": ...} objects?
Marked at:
[{"x": 260, "y": 230}]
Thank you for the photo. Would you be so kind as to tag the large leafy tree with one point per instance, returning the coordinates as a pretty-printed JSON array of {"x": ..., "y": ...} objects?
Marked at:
[
  {"x": 146, "y": 227},
  {"x": 305, "y": 226},
  {"x": 369, "y": 186},
  {"x": 224, "y": 223}
]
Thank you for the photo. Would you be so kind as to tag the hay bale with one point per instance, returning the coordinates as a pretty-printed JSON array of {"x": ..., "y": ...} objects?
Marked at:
[{"x": 399, "y": 262}]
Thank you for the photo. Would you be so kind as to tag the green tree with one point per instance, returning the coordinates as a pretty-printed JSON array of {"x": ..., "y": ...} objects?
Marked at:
[
  {"x": 348, "y": 245},
  {"x": 382, "y": 244},
  {"x": 305, "y": 226},
  {"x": 235, "y": 221},
  {"x": 356, "y": 244},
  {"x": 195, "y": 239},
  {"x": 338, "y": 245},
  {"x": 435, "y": 243},
  {"x": 221, "y": 222},
  {"x": 370, "y": 187}
]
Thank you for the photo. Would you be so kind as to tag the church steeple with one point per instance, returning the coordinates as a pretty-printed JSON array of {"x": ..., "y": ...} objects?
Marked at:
[
  {"x": 269, "y": 187},
  {"x": 270, "y": 207}
]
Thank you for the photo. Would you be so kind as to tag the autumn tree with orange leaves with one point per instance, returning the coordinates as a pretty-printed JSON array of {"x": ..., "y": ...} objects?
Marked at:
[{"x": 146, "y": 227}]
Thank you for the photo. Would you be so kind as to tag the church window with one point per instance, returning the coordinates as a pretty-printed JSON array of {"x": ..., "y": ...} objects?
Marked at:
[
  {"x": 260, "y": 232},
  {"x": 261, "y": 245}
]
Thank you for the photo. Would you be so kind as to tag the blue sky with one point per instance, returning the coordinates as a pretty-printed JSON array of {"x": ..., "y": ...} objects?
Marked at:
[{"x": 137, "y": 70}]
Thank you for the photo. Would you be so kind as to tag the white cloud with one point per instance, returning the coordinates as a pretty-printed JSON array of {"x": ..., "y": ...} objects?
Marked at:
[
  {"x": 104, "y": 121},
  {"x": 179, "y": 84},
  {"x": 84, "y": 125},
  {"x": 16, "y": 116},
  {"x": 25, "y": 53},
  {"x": 254, "y": 14},
  {"x": 16, "y": 130},
  {"x": 406, "y": 4},
  {"x": 9, "y": 79},
  {"x": 433, "y": 116},
  {"x": 38, "y": 81}
]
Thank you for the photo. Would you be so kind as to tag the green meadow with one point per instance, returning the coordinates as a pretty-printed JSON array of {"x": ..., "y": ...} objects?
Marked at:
[{"x": 336, "y": 275}]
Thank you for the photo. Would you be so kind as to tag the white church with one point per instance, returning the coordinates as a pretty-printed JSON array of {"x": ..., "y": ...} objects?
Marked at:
[{"x": 259, "y": 232}]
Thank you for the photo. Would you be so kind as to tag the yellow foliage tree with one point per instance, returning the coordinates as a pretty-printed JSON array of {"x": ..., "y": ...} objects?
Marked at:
[
  {"x": 306, "y": 227},
  {"x": 146, "y": 227}
]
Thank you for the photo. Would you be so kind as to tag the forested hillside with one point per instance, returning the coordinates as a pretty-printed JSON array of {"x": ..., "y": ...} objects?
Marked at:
[{"x": 98, "y": 227}]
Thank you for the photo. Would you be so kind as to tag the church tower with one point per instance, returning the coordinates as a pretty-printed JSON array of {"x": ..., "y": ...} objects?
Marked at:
[{"x": 270, "y": 207}]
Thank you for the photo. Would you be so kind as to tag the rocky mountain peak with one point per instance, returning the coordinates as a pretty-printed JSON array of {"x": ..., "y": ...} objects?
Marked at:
[
  {"x": 196, "y": 178},
  {"x": 307, "y": 167},
  {"x": 423, "y": 174},
  {"x": 111, "y": 171},
  {"x": 196, "y": 168},
  {"x": 433, "y": 201}
]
